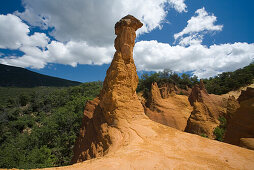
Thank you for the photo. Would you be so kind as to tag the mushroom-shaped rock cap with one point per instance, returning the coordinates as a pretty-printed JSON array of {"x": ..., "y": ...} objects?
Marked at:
[{"x": 128, "y": 21}]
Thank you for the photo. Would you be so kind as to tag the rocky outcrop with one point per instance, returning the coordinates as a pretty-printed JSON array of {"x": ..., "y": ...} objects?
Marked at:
[
  {"x": 207, "y": 109},
  {"x": 154, "y": 97},
  {"x": 168, "y": 89},
  {"x": 116, "y": 127},
  {"x": 198, "y": 93},
  {"x": 166, "y": 107},
  {"x": 241, "y": 124}
]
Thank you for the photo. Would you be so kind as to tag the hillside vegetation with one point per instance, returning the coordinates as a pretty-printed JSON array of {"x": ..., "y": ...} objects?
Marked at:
[
  {"x": 39, "y": 126},
  {"x": 8, "y": 93},
  {"x": 228, "y": 81},
  {"x": 220, "y": 84},
  {"x": 11, "y": 76}
]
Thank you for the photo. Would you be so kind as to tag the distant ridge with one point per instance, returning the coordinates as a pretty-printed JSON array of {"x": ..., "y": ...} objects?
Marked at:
[{"x": 11, "y": 76}]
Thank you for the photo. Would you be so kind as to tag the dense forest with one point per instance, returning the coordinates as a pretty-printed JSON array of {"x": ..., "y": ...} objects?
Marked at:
[
  {"x": 11, "y": 76},
  {"x": 39, "y": 126},
  {"x": 219, "y": 84}
]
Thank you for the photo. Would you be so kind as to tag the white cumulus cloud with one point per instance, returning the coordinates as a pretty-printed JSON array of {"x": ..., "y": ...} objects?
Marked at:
[
  {"x": 203, "y": 61},
  {"x": 199, "y": 24},
  {"x": 14, "y": 34},
  {"x": 74, "y": 53},
  {"x": 93, "y": 21},
  {"x": 71, "y": 53}
]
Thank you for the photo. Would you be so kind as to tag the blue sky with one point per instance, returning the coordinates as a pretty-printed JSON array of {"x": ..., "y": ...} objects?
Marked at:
[{"x": 74, "y": 40}]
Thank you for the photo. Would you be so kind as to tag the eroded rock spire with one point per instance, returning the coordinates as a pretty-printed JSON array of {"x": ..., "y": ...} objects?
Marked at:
[
  {"x": 118, "y": 98},
  {"x": 107, "y": 118}
]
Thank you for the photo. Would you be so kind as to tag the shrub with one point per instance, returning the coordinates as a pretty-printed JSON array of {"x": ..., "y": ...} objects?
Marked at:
[
  {"x": 220, "y": 130},
  {"x": 219, "y": 133},
  {"x": 204, "y": 135}
]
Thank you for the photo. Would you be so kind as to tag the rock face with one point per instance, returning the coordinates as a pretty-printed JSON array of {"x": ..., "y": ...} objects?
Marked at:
[
  {"x": 115, "y": 127},
  {"x": 91, "y": 142},
  {"x": 241, "y": 124},
  {"x": 207, "y": 108},
  {"x": 246, "y": 94},
  {"x": 168, "y": 89},
  {"x": 166, "y": 107}
]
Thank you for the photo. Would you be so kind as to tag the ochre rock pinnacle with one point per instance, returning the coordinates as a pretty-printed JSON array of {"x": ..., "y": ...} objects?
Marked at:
[
  {"x": 118, "y": 98},
  {"x": 106, "y": 118}
]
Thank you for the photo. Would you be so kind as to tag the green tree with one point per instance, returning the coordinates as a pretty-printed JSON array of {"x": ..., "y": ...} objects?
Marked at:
[{"x": 219, "y": 131}]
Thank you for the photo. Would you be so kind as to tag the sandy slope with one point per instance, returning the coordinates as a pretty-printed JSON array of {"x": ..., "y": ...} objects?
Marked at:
[{"x": 150, "y": 145}]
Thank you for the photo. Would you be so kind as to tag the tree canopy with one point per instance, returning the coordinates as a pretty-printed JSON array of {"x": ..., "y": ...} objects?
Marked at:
[{"x": 228, "y": 81}]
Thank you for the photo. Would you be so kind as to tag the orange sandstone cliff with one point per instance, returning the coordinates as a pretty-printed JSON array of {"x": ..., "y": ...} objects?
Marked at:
[
  {"x": 207, "y": 109},
  {"x": 118, "y": 135},
  {"x": 166, "y": 107}
]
